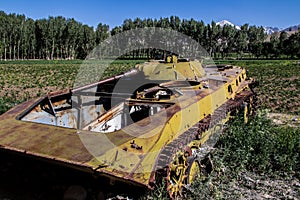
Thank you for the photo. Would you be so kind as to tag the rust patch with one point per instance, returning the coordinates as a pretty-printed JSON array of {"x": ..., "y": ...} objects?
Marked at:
[{"x": 18, "y": 109}]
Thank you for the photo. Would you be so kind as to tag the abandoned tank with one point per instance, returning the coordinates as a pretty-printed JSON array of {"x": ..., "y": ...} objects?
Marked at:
[{"x": 139, "y": 127}]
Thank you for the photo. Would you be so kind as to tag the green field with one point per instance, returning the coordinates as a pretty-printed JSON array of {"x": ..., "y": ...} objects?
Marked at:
[
  {"x": 279, "y": 83},
  {"x": 279, "y": 88},
  {"x": 24, "y": 80},
  {"x": 250, "y": 160}
]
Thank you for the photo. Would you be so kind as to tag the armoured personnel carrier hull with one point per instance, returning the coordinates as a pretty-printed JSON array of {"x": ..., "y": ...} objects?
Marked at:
[{"x": 138, "y": 127}]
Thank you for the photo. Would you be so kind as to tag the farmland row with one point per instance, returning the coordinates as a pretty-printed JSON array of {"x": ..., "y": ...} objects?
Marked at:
[
  {"x": 23, "y": 80},
  {"x": 279, "y": 83}
]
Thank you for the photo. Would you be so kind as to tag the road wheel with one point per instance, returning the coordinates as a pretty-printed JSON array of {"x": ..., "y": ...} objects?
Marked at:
[
  {"x": 176, "y": 175},
  {"x": 193, "y": 171}
]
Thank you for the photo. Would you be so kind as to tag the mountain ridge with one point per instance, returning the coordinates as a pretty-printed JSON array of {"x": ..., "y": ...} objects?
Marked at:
[
  {"x": 268, "y": 29},
  {"x": 226, "y": 22}
]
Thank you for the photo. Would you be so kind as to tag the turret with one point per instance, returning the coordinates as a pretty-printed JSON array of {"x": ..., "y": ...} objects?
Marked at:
[{"x": 173, "y": 69}]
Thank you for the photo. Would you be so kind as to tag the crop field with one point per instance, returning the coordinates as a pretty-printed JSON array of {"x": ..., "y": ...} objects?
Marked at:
[
  {"x": 258, "y": 160},
  {"x": 279, "y": 83},
  {"x": 279, "y": 88},
  {"x": 24, "y": 80}
]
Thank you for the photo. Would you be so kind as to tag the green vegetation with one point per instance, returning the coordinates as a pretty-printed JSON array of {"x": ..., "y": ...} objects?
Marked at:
[
  {"x": 260, "y": 146},
  {"x": 20, "y": 80},
  {"x": 24, "y": 80},
  {"x": 279, "y": 83},
  {"x": 61, "y": 38}
]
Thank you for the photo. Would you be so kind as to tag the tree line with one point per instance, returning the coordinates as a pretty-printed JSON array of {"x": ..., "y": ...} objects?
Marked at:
[
  {"x": 61, "y": 38},
  {"x": 52, "y": 38}
]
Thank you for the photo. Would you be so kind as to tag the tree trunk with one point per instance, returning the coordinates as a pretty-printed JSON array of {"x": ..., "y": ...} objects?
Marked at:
[
  {"x": 52, "y": 50},
  {"x": 61, "y": 53},
  {"x": 4, "y": 48},
  {"x": 14, "y": 51},
  {"x": 5, "y": 52},
  {"x": 10, "y": 51},
  {"x": 33, "y": 53},
  {"x": 148, "y": 53},
  {"x": 18, "y": 48}
]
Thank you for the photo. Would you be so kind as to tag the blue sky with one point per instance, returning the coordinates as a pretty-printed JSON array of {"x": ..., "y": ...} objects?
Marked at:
[{"x": 276, "y": 13}]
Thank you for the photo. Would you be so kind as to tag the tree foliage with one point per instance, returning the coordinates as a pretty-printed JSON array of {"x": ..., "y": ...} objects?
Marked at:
[
  {"x": 52, "y": 38},
  {"x": 61, "y": 38}
]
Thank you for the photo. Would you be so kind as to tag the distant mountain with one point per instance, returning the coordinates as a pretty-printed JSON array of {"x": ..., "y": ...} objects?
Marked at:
[
  {"x": 292, "y": 28},
  {"x": 270, "y": 30},
  {"x": 225, "y": 22}
]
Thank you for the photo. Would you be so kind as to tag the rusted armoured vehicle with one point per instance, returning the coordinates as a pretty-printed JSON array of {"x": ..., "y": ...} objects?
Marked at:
[{"x": 151, "y": 123}]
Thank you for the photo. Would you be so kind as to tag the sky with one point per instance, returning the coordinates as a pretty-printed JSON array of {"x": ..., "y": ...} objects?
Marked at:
[{"x": 274, "y": 13}]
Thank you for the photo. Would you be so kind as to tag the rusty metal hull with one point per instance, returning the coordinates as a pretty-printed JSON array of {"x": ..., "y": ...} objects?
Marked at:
[{"x": 88, "y": 129}]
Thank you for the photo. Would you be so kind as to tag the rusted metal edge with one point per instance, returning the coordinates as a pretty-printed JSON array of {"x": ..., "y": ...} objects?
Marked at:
[
  {"x": 126, "y": 74},
  {"x": 39, "y": 100},
  {"x": 32, "y": 106}
]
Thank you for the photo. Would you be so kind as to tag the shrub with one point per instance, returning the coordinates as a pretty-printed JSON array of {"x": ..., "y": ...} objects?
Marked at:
[{"x": 260, "y": 146}]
